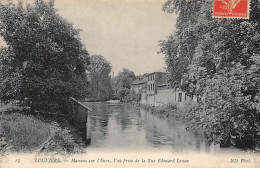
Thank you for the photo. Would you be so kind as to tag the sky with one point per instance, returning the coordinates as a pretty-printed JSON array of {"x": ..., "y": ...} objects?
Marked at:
[{"x": 125, "y": 32}]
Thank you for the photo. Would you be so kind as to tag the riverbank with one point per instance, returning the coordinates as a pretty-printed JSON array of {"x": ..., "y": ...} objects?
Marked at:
[
  {"x": 171, "y": 111},
  {"x": 27, "y": 133}
]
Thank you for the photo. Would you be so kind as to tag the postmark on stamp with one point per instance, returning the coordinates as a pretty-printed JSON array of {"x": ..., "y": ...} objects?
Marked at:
[{"x": 231, "y": 9}]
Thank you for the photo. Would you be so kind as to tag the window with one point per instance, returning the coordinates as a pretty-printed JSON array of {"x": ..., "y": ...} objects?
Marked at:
[
  {"x": 149, "y": 87},
  {"x": 160, "y": 76},
  {"x": 153, "y": 86},
  {"x": 153, "y": 76},
  {"x": 180, "y": 96},
  {"x": 185, "y": 97}
]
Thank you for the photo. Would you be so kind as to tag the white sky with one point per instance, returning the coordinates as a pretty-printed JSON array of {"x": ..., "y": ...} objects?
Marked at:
[{"x": 125, "y": 32}]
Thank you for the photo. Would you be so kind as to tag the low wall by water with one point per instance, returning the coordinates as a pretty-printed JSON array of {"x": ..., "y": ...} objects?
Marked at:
[
  {"x": 164, "y": 97},
  {"x": 167, "y": 96}
]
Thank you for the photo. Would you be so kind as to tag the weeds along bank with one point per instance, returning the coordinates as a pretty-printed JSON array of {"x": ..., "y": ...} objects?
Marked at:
[
  {"x": 27, "y": 133},
  {"x": 167, "y": 111}
]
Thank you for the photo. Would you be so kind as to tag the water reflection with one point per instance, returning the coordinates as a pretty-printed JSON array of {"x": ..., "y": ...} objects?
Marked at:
[{"x": 127, "y": 126}]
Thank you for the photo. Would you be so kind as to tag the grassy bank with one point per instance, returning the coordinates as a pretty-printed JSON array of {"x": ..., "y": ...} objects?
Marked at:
[{"x": 25, "y": 133}]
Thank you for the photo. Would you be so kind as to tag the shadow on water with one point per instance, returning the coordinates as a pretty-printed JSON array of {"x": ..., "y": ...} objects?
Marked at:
[{"x": 125, "y": 126}]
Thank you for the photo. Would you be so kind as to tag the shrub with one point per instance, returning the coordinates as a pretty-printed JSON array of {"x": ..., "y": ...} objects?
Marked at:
[{"x": 171, "y": 106}]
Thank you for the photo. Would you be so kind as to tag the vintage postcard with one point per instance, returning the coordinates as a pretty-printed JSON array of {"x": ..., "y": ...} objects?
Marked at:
[{"x": 129, "y": 83}]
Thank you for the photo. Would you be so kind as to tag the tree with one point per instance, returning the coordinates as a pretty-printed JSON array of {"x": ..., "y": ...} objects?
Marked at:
[
  {"x": 219, "y": 57},
  {"x": 100, "y": 84},
  {"x": 122, "y": 83},
  {"x": 45, "y": 56}
]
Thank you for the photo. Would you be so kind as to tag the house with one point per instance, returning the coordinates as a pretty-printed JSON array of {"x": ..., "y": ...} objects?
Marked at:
[
  {"x": 139, "y": 84},
  {"x": 153, "y": 80},
  {"x": 158, "y": 92}
]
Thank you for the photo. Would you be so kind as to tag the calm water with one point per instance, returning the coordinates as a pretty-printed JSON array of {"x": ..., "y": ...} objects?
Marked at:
[{"x": 123, "y": 126}]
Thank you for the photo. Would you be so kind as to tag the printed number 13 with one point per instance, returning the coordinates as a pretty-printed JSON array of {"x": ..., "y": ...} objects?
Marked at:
[{"x": 17, "y": 160}]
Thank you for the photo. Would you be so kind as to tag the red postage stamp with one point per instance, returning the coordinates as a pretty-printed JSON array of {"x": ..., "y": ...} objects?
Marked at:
[{"x": 231, "y": 8}]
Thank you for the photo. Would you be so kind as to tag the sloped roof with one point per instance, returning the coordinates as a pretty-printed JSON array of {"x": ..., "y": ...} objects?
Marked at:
[
  {"x": 160, "y": 70},
  {"x": 139, "y": 81}
]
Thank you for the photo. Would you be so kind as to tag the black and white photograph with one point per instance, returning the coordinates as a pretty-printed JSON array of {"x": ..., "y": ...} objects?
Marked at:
[{"x": 129, "y": 83}]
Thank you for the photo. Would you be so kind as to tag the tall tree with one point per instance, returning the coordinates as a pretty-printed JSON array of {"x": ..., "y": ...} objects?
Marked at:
[
  {"x": 46, "y": 56},
  {"x": 100, "y": 81},
  {"x": 122, "y": 83}
]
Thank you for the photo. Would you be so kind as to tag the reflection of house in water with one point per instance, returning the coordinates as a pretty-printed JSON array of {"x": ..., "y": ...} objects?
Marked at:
[
  {"x": 124, "y": 118},
  {"x": 156, "y": 91},
  {"x": 174, "y": 134}
]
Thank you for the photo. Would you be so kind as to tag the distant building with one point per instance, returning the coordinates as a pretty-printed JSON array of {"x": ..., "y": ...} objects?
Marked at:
[
  {"x": 139, "y": 84},
  {"x": 156, "y": 91},
  {"x": 155, "y": 79}
]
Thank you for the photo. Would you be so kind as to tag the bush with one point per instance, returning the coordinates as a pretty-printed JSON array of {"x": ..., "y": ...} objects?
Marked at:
[{"x": 171, "y": 106}]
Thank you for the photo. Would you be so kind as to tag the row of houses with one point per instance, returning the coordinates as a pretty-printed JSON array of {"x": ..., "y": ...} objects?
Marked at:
[{"x": 155, "y": 91}]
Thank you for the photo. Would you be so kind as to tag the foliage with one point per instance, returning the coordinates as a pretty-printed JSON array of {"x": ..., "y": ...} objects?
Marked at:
[
  {"x": 62, "y": 141},
  {"x": 180, "y": 46},
  {"x": 45, "y": 59},
  {"x": 3, "y": 146},
  {"x": 169, "y": 110},
  {"x": 100, "y": 81},
  {"x": 218, "y": 59},
  {"x": 23, "y": 133},
  {"x": 130, "y": 95},
  {"x": 122, "y": 83},
  {"x": 229, "y": 112}
]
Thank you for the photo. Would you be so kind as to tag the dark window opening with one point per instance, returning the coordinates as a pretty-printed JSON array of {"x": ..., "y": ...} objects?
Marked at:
[{"x": 180, "y": 96}]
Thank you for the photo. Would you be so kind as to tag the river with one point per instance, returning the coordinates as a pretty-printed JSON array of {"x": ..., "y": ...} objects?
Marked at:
[{"x": 124, "y": 126}]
